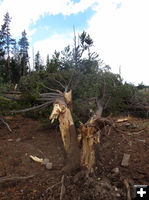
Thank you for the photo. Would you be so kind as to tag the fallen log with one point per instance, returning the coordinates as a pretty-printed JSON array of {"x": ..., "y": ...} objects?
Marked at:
[
  {"x": 138, "y": 107},
  {"x": 12, "y": 92}
]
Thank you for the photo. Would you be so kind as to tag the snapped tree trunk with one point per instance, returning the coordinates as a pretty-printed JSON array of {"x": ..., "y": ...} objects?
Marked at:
[
  {"x": 79, "y": 149},
  {"x": 68, "y": 132},
  {"x": 89, "y": 138}
]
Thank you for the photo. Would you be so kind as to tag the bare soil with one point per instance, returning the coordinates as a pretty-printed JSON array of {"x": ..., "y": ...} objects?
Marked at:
[{"x": 108, "y": 182}]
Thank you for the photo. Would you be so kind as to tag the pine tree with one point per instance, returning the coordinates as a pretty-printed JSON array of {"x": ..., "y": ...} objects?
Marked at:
[
  {"x": 48, "y": 60},
  {"x": 15, "y": 64},
  {"x": 2, "y": 51},
  {"x": 38, "y": 62},
  {"x": 54, "y": 63},
  {"x": 23, "y": 53},
  {"x": 8, "y": 41},
  {"x": 2, "y": 55}
]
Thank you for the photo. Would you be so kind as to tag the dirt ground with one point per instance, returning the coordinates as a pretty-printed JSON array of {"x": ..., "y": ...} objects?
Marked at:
[{"x": 21, "y": 178}]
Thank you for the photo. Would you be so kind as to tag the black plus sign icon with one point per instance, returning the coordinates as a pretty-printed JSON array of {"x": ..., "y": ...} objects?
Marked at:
[{"x": 141, "y": 192}]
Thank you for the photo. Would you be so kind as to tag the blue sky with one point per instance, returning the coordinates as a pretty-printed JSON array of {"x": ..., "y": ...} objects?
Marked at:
[
  {"x": 48, "y": 25},
  {"x": 119, "y": 29}
]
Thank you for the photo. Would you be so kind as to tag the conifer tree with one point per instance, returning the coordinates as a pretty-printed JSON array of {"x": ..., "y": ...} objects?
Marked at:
[
  {"x": 48, "y": 60},
  {"x": 38, "y": 62},
  {"x": 15, "y": 64},
  {"x": 7, "y": 41},
  {"x": 2, "y": 51},
  {"x": 23, "y": 53}
]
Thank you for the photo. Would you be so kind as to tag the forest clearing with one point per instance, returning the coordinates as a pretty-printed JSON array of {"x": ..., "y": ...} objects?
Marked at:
[{"x": 110, "y": 181}]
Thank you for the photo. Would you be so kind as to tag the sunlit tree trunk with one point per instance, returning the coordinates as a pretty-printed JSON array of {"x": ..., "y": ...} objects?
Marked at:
[
  {"x": 68, "y": 132},
  {"x": 79, "y": 147}
]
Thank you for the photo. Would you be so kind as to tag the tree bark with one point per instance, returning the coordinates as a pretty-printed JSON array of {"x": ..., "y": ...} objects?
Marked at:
[{"x": 9, "y": 70}]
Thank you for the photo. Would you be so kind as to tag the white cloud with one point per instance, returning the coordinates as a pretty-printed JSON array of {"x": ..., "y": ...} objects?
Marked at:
[
  {"x": 122, "y": 37},
  {"x": 25, "y": 12},
  {"x": 81, "y": 6},
  {"x": 48, "y": 46}
]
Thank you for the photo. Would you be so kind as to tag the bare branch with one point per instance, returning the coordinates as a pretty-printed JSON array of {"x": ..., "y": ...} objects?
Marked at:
[
  {"x": 51, "y": 89},
  {"x": 13, "y": 98},
  {"x": 32, "y": 108},
  {"x": 46, "y": 99},
  {"x": 70, "y": 81},
  {"x": 6, "y": 124},
  {"x": 60, "y": 83},
  {"x": 46, "y": 95}
]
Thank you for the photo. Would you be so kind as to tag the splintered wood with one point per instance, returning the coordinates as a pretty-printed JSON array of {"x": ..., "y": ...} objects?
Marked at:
[
  {"x": 65, "y": 119},
  {"x": 122, "y": 120},
  {"x": 89, "y": 136},
  {"x": 68, "y": 133},
  {"x": 81, "y": 151},
  {"x": 66, "y": 122},
  {"x": 125, "y": 160}
]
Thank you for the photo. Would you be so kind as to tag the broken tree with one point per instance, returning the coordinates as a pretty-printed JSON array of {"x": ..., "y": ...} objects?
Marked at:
[
  {"x": 61, "y": 110},
  {"x": 79, "y": 144},
  {"x": 80, "y": 149}
]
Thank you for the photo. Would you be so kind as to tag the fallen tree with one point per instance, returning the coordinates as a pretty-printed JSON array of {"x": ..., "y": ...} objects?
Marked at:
[{"x": 139, "y": 108}]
